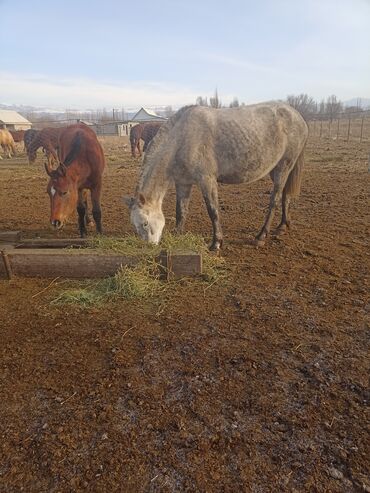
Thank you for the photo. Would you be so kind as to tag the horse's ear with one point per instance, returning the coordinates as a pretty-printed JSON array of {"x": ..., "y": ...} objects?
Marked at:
[
  {"x": 62, "y": 169},
  {"x": 48, "y": 169},
  {"x": 141, "y": 199},
  {"x": 129, "y": 201}
]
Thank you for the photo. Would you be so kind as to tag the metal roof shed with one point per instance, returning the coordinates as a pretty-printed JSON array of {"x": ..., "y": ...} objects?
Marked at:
[{"x": 144, "y": 115}]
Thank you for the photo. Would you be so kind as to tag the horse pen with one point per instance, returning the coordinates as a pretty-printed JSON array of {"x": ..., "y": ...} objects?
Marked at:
[{"x": 256, "y": 382}]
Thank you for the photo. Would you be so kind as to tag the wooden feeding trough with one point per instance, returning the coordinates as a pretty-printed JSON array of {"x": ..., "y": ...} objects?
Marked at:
[{"x": 70, "y": 258}]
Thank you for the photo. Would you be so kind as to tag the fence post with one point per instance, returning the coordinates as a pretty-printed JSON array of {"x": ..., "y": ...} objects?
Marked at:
[
  {"x": 329, "y": 129},
  {"x": 338, "y": 129},
  {"x": 349, "y": 128},
  {"x": 362, "y": 127},
  {"x": 320, "y": 128}
]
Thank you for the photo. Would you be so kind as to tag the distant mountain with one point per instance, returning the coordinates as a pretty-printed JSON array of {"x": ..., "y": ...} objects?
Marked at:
[{"x": 363, "y": 103}]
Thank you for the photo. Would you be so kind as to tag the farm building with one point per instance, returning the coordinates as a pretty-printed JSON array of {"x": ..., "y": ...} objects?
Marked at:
[
  {"x": 112, "y": 128},
  {"x": 123, "y": 128},
  {"x": 144, "y": 115},
  {"x": 13, "y": 120}
]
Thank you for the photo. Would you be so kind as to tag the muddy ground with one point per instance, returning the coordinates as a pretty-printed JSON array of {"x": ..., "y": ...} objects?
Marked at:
[{"x": 256, "y": 384}]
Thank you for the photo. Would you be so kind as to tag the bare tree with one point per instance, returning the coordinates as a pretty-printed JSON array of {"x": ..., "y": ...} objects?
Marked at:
[
  {"x": 201, "y": 101},
  {"x": 234, "y": 103},
  {"x": 168, "y": 111},
  {"x": 303, "y": 103},
  {"x": 215, "y": 101},
  {"x": 333, "y": 106}
]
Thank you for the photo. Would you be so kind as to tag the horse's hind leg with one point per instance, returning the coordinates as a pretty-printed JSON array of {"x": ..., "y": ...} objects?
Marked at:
[
  {"x": 285, "y": 217},
  {"x": 279, "y": 176},
  {"x": 183, "y": 192},
  {"x": 291, "y": 189},
  {"x": 210, "y": 194}
]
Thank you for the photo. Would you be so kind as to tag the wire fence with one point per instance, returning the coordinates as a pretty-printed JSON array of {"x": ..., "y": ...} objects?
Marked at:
[{"x": 345, "y": 126}]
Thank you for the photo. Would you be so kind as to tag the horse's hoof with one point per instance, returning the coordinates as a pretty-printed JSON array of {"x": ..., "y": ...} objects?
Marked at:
[
  {"x": 215, "y": 247},
  {"x": 259, "y": 243},
  {"x": 281, "y": 230}
]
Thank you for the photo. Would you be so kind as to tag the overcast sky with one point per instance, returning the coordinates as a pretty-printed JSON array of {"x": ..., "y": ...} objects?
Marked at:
[{"x": 92, "y": 54}]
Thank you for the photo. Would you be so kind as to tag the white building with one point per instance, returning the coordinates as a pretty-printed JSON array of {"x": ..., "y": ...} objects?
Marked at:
[
  {"x": 13, "y": 120},
  {"x": 144, "y": 115}
]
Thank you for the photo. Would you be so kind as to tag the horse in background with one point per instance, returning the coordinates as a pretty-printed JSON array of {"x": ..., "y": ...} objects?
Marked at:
[
  {"x": 206, "y": 146},
  {"x": 144, "y": 131},
  {"x": 18, "y": 135},
  {"x": 7, "y": 143},
  {"x": 80, "y": 168},
  {"x": 48, "y": 139},
  {"x": 28, "y": 137}
]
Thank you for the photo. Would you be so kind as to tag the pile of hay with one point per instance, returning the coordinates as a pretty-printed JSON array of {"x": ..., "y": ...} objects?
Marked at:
[{"x": 141, "y": 281}]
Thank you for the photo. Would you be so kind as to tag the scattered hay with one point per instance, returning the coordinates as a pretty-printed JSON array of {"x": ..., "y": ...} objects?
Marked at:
[
  {"x": 141, "y": 282},
  {"x": 213, "y": 265}
]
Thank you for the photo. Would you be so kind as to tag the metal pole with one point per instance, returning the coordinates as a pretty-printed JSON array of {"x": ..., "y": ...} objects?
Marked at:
[
  {"x": 349, "y": 128},
  {"x": 362, "y": 127}
]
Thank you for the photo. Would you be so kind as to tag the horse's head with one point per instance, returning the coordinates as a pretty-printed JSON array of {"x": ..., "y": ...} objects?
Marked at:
[
  {"x": 63, "y": 193},
  {"x": 148, "y": 219},
  {"x": 32, "y": 154},
  {"x": 62, "y": 187}
]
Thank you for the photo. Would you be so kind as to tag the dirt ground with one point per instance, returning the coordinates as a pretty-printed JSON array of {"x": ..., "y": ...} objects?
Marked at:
[{"x": 256, "y": 384}]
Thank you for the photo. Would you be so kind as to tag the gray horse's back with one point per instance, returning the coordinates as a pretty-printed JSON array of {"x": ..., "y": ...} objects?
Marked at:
[{"x": 237, "y": 144}]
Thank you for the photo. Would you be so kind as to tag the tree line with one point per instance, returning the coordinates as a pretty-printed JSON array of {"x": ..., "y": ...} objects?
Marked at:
[{"x": 329, "y": 108}]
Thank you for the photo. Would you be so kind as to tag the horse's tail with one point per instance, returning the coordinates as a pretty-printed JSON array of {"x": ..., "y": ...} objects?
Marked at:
[{"x": 293, "y": 184}]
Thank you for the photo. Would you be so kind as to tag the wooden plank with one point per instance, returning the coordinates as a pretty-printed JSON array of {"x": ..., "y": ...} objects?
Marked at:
[
  {"x": 53, "y": 243},
  {"x": 10, "y": 236},
  {"x": 175, "y": 265},
  {"x": 89, "y": 263},
  {"x": 74, "y": 264}
]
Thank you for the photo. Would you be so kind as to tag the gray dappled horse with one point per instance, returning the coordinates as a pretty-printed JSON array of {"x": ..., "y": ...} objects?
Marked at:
[{"x": 204, "y": 146}]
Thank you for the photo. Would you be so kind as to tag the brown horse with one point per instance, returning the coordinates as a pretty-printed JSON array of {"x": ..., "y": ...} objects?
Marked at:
[
  {"x": 29, "y": 135},
  {"x": 48, "y": 139},
  {"x": 7, "y": 142},
  {"x": 18, "y": 135},
  {"x": 80, "y": 168},
  {"x": 144, "y": 131}
]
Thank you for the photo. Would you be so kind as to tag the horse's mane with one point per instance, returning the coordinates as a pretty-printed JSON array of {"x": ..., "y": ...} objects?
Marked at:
[
  {"x": 149, "y": 159},
  {"x": 166, "y": 127}
]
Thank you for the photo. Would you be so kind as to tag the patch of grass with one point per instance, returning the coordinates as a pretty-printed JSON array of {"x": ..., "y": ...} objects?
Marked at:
[{"x": 142, "y": 281}]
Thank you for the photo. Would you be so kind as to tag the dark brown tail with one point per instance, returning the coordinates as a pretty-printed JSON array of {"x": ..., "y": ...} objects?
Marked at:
[{"x": 293, "y": 185}]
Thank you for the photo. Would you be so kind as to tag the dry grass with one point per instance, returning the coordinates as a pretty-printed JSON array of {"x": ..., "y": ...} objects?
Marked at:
[{"x": 142, "y": 281}]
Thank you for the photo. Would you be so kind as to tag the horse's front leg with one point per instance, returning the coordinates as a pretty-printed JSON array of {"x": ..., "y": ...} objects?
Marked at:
[
  {"x": 183, "y": 192},
  {"x": 81, "y": 211},
  {"x": 209, "y": 190},
  {"x": 96, "y": 208},
  {"x": 139, "y": 148}
]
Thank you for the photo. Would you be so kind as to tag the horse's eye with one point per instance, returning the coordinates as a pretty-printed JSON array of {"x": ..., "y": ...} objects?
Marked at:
[
  {"x": 146, "y": 225},
  {"x": 64, "y": 193}
]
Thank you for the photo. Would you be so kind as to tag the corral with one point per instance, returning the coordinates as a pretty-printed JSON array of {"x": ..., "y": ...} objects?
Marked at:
[{"x": 257, "y": 383}]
